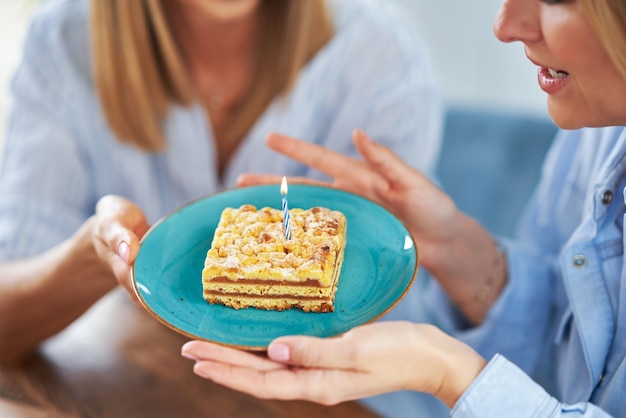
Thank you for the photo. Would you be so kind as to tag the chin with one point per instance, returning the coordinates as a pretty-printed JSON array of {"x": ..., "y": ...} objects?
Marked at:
[
  {"x": 231, "y": 10},
  {"x": 569, "y": 117},
  {"x": 576, "y": 117},
  {"x": 566, "y": 121},
  {"x": 572, "y": 124},
  {"x": 567, "y": 124}
]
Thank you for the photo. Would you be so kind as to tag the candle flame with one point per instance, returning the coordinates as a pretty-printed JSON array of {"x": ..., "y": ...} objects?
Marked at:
[{"x": 283, "y": 186}]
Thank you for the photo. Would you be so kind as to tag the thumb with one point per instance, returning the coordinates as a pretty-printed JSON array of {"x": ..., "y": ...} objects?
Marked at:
[
  {"x": 312, "y": 352},
  {"x": 379, "y": 157}
]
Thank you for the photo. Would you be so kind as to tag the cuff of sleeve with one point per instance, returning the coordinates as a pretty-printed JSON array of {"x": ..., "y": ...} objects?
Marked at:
[{"x": 502, "y": 389}]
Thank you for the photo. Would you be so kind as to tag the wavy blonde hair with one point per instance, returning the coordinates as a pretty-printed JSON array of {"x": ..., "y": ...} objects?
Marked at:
[
  {"x": 608, "y": 18},
  {"x": 139, "y": 71}
]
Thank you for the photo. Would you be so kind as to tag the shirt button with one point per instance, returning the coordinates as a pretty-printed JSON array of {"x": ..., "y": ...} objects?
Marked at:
[
  {"x": 579, "y": 261},
  {"x": 607, "y": 197}
]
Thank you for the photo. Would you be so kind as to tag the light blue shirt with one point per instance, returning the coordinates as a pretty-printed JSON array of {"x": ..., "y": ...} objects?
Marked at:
[
  {"x": 60, "y": 156},
  {"x": 561, "y": 318}
]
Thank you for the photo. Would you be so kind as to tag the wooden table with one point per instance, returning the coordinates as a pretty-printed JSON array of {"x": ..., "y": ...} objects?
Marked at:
[{"x": 118, "y": 361}]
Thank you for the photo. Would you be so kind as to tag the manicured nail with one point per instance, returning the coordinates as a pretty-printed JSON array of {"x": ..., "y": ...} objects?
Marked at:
[
  {"x": 279, "y": 352},
  {"x": 124, "y": 251},
  {"x": 188, "y": 356}
]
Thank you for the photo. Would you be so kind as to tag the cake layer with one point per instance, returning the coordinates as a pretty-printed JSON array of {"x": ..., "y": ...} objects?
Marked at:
[
  {"x": 209, "y": 293},
  {"x": 277, "y": 304},
  {"x": 262, "y": 290},
  {"x": 247, "y": 281}
]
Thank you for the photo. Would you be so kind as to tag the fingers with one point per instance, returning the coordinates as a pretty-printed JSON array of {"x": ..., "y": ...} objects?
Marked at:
[
  {"x": 240, "y": 370},
  {"x": 248, "y": 179},
  {"x": 343, "y": 169},
  {"x": 121, "y": 224},
  {"x": 206, "y": 351},
  {"x": 326, "y": 387},
  {"x": 382, "y": 159},
  {"x": 328, "y": 162},
  {"x": 264, "y": 378},
  {"x": 317, "y": 353},
  {"x": 119, "y": 239},
  {"x": 280, "y": 384},
  {"x": 244, "y": 180},
  {"x": 309, "y": 352}
]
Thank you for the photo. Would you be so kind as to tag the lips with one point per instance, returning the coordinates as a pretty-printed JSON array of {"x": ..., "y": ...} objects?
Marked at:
[{"x": 552, "y": 80}]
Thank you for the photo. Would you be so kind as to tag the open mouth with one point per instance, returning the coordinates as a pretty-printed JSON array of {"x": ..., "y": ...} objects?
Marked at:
[{"x": 557, "y": 73}]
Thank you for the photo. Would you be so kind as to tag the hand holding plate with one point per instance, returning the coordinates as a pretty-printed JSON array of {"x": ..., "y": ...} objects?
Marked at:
[
  {"x": 118, "y": 226},
  {"x": 365, "y": 361}
]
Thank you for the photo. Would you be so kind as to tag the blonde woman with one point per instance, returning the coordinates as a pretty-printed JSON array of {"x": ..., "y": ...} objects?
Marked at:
[
  {"x": 124, "y": 110},
  {"x": 544, "y": 316}
]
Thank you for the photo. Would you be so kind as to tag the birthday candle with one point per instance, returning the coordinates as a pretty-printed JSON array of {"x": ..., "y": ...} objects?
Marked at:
[{"x": 283, "y": 191}]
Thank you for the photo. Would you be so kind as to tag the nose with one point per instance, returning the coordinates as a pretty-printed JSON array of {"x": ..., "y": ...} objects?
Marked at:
[{"x": 518, "y": 20}]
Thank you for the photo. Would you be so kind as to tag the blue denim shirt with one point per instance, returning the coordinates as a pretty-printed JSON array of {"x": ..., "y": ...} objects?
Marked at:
[
  {"x": 60, "y": 156},
  {"x": 561, "y": 318}
]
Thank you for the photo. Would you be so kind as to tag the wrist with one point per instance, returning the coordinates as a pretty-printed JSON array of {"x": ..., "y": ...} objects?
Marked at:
[
  {"x": 495, "y": 277},
  {"x": 435, "y": 254},
  {"x": 471, "y": 268},
  {"x": 462, "y": 367}
]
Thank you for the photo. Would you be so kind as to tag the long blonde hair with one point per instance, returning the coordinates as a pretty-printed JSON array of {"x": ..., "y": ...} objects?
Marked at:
[
  {"x": 608, "y": 18},
  {"x": 139, "y": 71}
]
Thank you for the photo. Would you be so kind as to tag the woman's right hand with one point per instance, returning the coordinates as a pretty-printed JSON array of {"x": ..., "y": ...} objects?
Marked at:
[
  {"x": 118, "y": 226},
  {"x": 382, "y": 176}
]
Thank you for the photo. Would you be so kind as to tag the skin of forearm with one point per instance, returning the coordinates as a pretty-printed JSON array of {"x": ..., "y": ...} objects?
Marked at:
[
  {"x": 470, "y": 267},
  {"x": 41, "y": 295}
]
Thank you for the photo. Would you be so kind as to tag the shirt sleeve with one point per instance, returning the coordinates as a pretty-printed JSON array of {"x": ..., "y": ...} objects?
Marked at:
[
  {"x": 504, "y": 390},
  {"x": 44, "y": 184}
]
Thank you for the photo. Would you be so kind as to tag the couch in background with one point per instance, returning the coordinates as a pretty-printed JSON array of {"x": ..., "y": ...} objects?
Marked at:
[{"x": 490, "y": 163}]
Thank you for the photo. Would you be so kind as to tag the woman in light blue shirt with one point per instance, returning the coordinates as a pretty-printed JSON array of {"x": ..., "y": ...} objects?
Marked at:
[
  {"x": 547, "y": 310},
  {"x": 124, "y": 110}
]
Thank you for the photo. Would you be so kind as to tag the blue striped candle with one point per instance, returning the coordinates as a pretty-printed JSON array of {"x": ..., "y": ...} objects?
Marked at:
[{"x": 283, "y": 191}]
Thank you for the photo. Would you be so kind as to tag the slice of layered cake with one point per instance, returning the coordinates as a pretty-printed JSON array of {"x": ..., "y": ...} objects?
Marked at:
[{"x": 252, "y": 264}]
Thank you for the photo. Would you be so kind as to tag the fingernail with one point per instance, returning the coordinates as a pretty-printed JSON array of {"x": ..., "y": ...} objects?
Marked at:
[
  {"x": 124, "y": 251},
  {"x": 279, "y": 352},
  {"x": 188, "y": 356}
]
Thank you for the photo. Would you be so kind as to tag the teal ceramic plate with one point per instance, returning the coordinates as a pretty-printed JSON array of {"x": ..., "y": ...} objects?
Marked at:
[{"x": 379, "y": 267}]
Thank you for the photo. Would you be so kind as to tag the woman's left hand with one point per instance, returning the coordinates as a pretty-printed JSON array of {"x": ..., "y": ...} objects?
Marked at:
[
  {"x": 368, "y": 360},
  {"x": 117, "y": 228}
]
